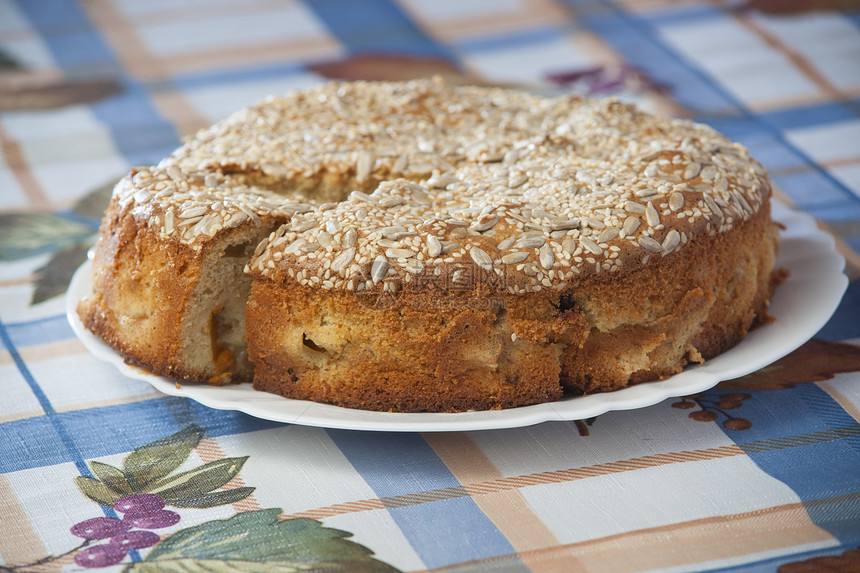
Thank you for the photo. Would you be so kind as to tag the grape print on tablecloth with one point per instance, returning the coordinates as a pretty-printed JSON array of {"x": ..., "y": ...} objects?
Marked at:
[
  {"x": 815, "y": 361},
  {"x": 713, "y": 406},
  {"x": 135, "y": 498},
  {"x": 143, "y": 511}
]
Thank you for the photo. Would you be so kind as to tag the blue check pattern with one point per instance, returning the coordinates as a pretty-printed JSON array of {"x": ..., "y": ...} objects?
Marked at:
[{"x": 92, "y": 88}]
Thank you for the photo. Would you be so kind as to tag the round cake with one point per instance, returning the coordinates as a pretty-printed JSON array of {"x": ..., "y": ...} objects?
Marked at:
[{"x": 419, "y": 246}]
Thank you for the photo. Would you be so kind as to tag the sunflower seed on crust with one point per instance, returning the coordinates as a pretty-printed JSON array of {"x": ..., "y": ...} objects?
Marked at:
[
  {"x": 634, "y": 207},
  {"x": 590, "y": 245},
  {"x": 652, "y": 217},
  {"x": 324, "y": 239},
  {"x": 364, "y": 165},
  {"x": 481, "y": 258},
  {"x": 529, "y": 243},
  {"x": 393, "y": 201},
  {"x": 394, "y": 253},
  {"x": 672, "y": 240},
  {"x": 568, "y": 245},
  {"x": 485, "y": 224},
  {"x": 630, "y": 225},
  {"x": 343, "y": 260},
  {"x": 434, "y": 247},
  {"x": 378, "y": 269},
  {"x": 349, "y": 238},
  {"x": 546, "y": 256},
  {"x": 608, "y": 234},
  {"x": 515, "y": 257},
  {"x": 565, "y": 225},
  {"x": 712, "y": 205},
  {"x": 650, "y": 244},
  {"x": 692, "y": 170}
]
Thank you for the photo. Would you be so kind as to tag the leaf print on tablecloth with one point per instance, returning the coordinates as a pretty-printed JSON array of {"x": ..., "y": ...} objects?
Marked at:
[
  {"x": 184, "y": 489},
  {"x": 53, "y": 278},
  {"x": 259, "y": 541},
  {"x": 815, "y": 361},
  {"x": 156, "y": 460},
  {"x": 25, "y": 90},
  {"x": 67, "y": 236},
  {"x": 24, "y": 235},
  {"x": 151, "y": 469},
  {"x": 135, "y": 497},
  {"x": 112, "y": 477},
  {"x": 95, "y": 202},
  {"x": 8, "y": 62}
]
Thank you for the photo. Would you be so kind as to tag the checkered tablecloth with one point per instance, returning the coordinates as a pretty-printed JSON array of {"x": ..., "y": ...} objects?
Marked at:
[{"x": 757, "y": 474}]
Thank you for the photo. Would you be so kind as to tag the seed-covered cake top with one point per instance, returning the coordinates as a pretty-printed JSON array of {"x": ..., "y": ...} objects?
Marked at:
[{"x": 392, "y": 184}]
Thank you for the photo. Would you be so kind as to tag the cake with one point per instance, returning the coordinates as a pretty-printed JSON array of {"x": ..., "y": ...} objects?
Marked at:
[{"x": 417, "y": 246}]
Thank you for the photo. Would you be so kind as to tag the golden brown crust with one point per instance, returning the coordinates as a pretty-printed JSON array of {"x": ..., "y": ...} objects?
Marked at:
[
  {"x": 425, "y": 247},
  {"x": 435, "y": 351},
  {"x": 155, "y": 299},
  {"x": 458, "y": 350},
  {"x": 136, "y": 300},
  {"x": 699, "y": 302}
]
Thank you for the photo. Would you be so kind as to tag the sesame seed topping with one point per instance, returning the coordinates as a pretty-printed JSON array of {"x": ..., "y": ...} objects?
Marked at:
[{"x": 383, "y": 183}]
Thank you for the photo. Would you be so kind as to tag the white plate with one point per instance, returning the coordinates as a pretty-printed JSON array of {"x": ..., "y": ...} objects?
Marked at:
[{"x": 801, "y": 305}]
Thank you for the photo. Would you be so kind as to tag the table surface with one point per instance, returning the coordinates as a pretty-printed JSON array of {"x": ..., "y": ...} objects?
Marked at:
[{"x": 759, "y": 473}]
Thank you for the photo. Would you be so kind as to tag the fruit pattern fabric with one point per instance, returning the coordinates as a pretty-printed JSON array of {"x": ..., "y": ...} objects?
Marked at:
[
  {"x": 768, "y": 480},
  {"x": 248, "y": 541}
]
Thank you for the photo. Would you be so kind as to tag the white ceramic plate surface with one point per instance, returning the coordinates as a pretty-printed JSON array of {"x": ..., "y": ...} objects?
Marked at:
[{"x": 801, "y": 305}]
